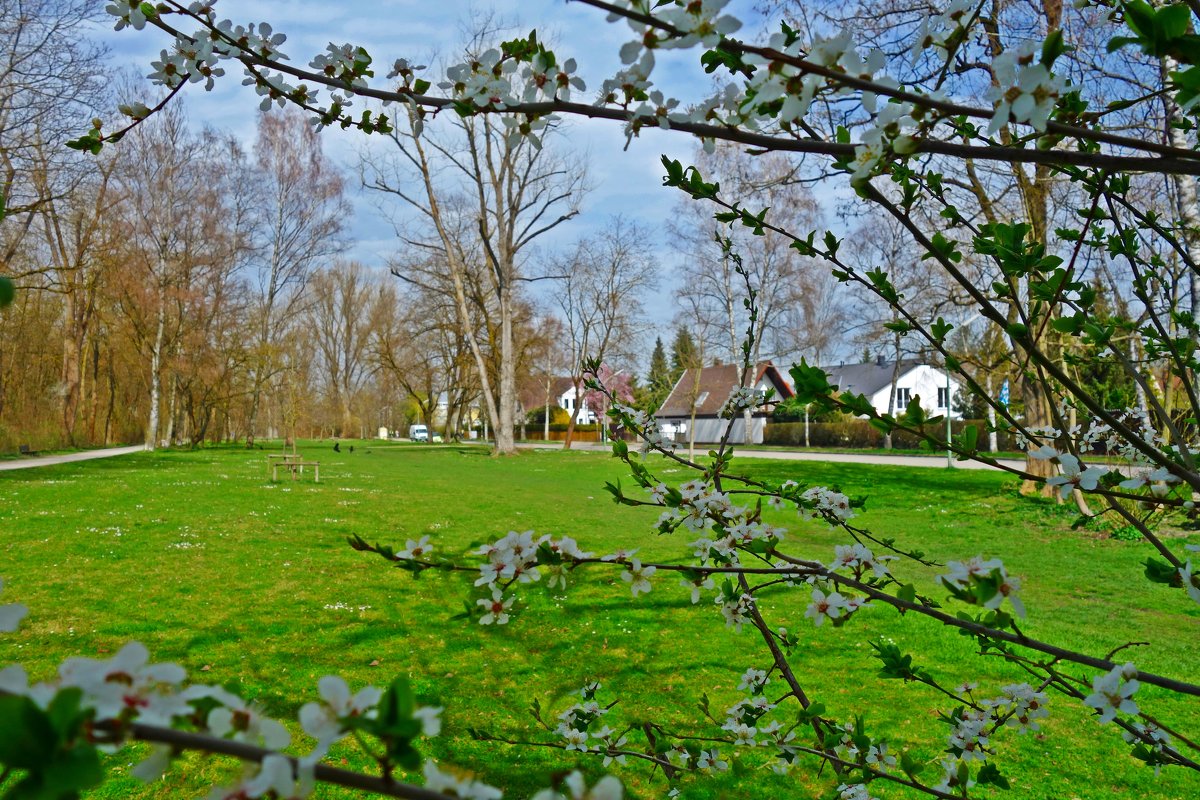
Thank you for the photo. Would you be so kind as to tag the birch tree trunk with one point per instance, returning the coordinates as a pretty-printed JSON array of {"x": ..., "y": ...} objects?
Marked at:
[{"x": 155, "y": 377}]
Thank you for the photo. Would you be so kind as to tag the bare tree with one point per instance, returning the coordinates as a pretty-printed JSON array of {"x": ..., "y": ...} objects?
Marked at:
[
  {"x": 785, "y": 281},
  {"x": 78, "y": 244},
  {"x": 487, "y": 196},
  {"x": 601, "y": 298},
  {"x": 174, "y": 259},
  {"x": 346, "y": 307},
  {"x": 51, "y": 79},
  {"x": 302, "y": 207}
]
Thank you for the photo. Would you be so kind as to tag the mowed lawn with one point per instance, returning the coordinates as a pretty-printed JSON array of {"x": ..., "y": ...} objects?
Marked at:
[{"x": 251, "y": 584}]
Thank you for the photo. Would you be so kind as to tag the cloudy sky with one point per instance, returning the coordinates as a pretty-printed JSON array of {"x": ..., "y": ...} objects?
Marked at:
[{"x": 625, "y": 181}]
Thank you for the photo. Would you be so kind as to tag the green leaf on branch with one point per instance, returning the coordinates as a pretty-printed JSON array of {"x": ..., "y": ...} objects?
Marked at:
[
  {"x": 857, "y": 404},
  {"x": 8, "y": 292},
  {"x": 1072, "y": 324},
  {"x": 940, "y": 329},
  {"x": 1162, "y": 572},
  {"x": 967, "y": 441},
  {"x": 943, "y": 249},
  {"x": 832, "y": 243},
  {"x": 725, "y": 56},
  {"x": 988, "y": 774},
  {"x": 1053, "y": 47},
  {"x": 883, "y": 286},
  {"x": 811, "y": 384},
  {"x": 898, "y": 665},
  {"x": 911, "y": 766},
  {"x": 914, "y": 415}
]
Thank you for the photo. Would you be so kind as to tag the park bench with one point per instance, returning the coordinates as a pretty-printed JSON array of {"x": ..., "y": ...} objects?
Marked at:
[
  {"x": 296, "y": 468},
  {"x": 25, "y": 450}
]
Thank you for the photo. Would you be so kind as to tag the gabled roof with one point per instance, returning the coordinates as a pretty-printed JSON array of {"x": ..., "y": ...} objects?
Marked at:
[
  {"x": 868, "y": 378},
  {"x": 711, "y": 386}
]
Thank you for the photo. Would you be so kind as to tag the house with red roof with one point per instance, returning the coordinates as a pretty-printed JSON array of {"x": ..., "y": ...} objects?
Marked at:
[{"x": 698, "y": 395}]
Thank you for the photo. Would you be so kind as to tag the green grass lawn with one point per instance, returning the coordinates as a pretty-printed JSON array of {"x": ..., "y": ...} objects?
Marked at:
[{"x": 250, "y": 583}]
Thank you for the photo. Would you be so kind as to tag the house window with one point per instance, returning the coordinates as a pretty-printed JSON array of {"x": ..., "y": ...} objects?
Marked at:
[
  {"x": 943, "y": 397},
  {"x": 903, "y": 398}
]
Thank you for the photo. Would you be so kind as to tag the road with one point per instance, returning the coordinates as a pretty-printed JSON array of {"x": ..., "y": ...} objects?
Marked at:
[
  {"x": 66, "y": 458},
  {"x": 784, "y": 455},
  {"x": 793, "y": 455}
]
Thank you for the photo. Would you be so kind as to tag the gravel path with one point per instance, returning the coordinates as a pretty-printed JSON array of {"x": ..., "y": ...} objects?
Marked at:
[{"x": 66, "y": 458}]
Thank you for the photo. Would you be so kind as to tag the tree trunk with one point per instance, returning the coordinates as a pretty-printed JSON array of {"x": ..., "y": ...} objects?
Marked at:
[
  {"x": 570, "y": 436},
  {"x": 505, "y": 445},
  {"x": 71, "y": 376},
  {"x": 155, "y": 378},
  {"x": 172, "y": 410}
]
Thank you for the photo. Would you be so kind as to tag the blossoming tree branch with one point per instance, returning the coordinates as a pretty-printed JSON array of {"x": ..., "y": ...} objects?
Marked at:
[{"x": 925, "y": 140}]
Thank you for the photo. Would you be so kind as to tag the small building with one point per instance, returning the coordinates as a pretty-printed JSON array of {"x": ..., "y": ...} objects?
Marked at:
[
  {"x": 532, "y": 396},
  {"x": 705, "y": 389},
  {"x": 914, "y": 378}
]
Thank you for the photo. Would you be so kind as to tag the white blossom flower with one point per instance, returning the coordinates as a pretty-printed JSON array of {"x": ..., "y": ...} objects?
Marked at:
[
  {"x": 1113, "y": 691},
  {"x": 457, "y": 784},
  {"x": 322, "y": 720},
  {"x": 736, "y": 610},
  {"x": 754, "y": 680},
  {"x": 854, "y": 791},
  {"x": 705, "y": 582},
  {"x": 879, "y": 757},
  {"x": 416, "y": 549},
  {"x": 128, "y": 13},
  {"x": 430, "y": 718},
  {"x": 825, "y": 606},
  {"x": 638, "y": 577},
  {"x": 495, "y": 608},
  {"x": 743, "y": 734},
  {"x": 1025, "y": 91},
  {"x": 1072, "y": 478},
  {"x": 244, "y": 722},
  {"x": 607, "y": 788},
  {"x": 576, "y": 739},
  {"x": 127, "y": 683},
  {"x": 969, "y": 736},
  {"x": 710, "y": 760},
  {"x": 991, "y": 573}
]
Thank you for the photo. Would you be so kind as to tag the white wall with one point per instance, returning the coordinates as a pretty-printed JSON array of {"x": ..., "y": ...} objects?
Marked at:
[
  {"x": 924, "y": 381},
  {"x": 583, "y": 414},
  {"x": 710, "y": 431}
]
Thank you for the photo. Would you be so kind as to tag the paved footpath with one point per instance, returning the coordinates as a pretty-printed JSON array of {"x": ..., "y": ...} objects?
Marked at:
[
  {"x": 785, "y": 455},
  {"x": 66, "y": 458},
  {"x": 793, "y": 455}
]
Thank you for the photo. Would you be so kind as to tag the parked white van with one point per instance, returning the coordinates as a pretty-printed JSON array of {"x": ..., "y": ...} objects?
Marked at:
[{"x": 418, "y": 433}]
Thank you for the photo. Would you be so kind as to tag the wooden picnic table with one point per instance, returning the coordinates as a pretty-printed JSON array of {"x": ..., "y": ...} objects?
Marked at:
[{"x": 296, "y": 467}]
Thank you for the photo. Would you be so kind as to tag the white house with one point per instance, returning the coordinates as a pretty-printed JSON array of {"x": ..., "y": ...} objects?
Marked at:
[
  {"x": 913, "y": 378},
  {"x": 705, "y": 391},
  {"x": 532, "y": 396}
]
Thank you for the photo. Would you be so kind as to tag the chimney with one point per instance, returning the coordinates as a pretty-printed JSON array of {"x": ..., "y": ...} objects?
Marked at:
[{"x": 880, "y": 361}]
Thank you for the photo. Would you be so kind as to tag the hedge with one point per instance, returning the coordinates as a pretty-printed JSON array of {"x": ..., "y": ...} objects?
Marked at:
[{"x": 857, "y": 434}]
